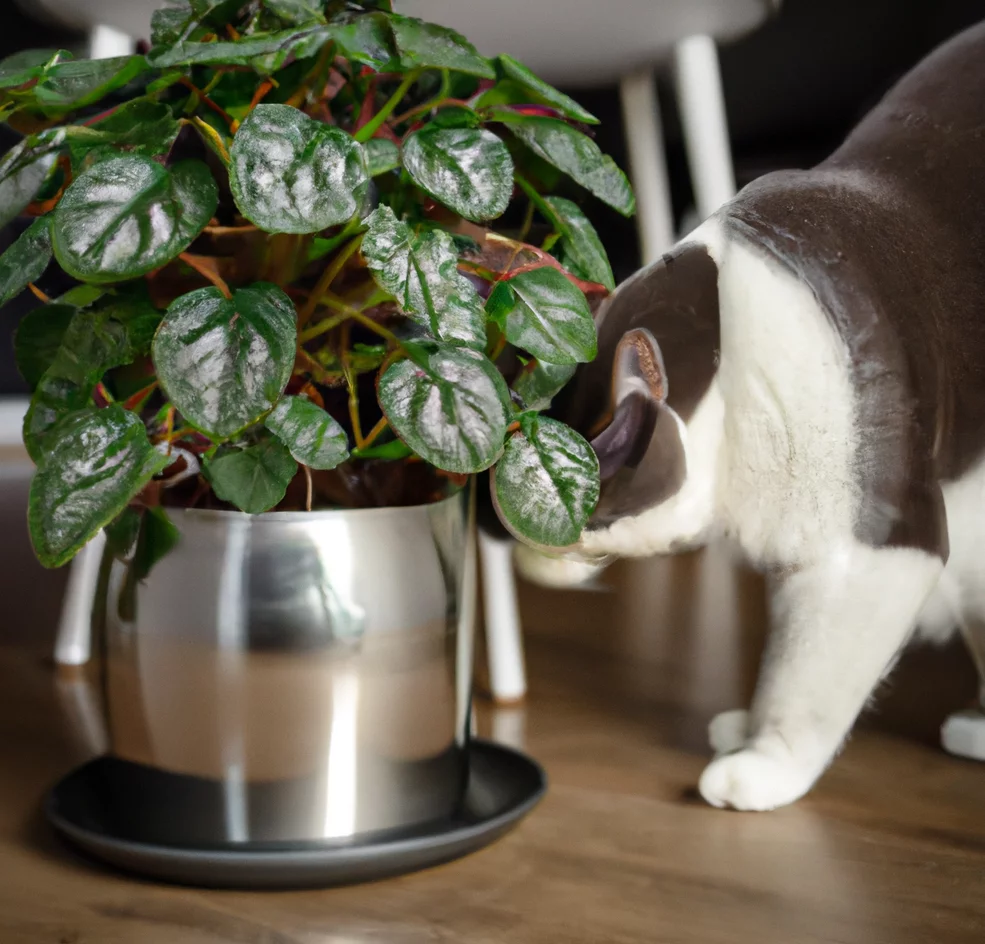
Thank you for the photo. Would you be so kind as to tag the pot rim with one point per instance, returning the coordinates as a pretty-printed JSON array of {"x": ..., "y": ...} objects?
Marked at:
[{"x": 218, "y": 514}]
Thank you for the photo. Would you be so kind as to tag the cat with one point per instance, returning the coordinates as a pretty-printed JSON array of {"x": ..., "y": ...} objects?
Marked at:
[{"x": 805, "y": 373}]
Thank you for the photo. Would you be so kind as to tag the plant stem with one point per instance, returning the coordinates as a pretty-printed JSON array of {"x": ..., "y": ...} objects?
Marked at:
[
  {"x": 440, "y": 99},
  {"x": 322, "y": 327},
  {"x": 137, "y": 400},
  {"x": 528, "y": 220},
  {"x": 37, "y": 293},
  {"x": 180, "y": 433},
  {"x": 212, "y": 136},
  {"x": 327, "y": 277},
  {"x": 350, "y": 382},
  {"x": 537, "y": 200},
  {"x": 374, "y": 433},
  {"x": 314, "y": 368},
  {"x": 307, "y": 477},
  {"x": 205, "y": 267},
  {"x": 218, "y": 109},
  {"x": 261, "y": 93},
  {"x": 333, "y": 301},
  {"x": 369, "y": 129}
]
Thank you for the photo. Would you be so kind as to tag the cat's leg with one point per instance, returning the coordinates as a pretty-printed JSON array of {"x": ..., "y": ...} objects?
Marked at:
[
  {"x": 963, "y": 733},
  {"x": 838, "y": 624}
]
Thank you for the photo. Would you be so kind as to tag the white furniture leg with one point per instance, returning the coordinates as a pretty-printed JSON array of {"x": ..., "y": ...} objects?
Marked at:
[
  {"x": 105, "y": 42},
  {"x": 647, "y": 164},
  {"x": 507, "y": 673},
  {"x": 701, "y": 104},
  {"x": 73, "y": 644}
]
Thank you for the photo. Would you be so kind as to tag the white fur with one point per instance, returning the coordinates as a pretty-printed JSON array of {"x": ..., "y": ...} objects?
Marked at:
[{"x": 770, "y": 455}]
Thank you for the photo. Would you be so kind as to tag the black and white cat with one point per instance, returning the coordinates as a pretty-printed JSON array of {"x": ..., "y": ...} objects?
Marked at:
[{"x": 805, "y": 373}]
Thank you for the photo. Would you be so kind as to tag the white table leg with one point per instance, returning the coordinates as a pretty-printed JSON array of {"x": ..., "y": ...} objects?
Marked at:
[
  {"x": 105, "y": 42},
  {"x": 73, "y": 644},
  {"x": 647, "y": 164},
  {"x": 702, "y": 108},
  {"x": 507, "y": 673}
]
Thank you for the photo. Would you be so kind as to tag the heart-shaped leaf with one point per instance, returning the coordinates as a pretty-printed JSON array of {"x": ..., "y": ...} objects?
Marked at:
[
  {"x": 580, "y": 242},
  {"x": 95, "y": 462},
  {"x": 576, "y": 154},
  {"x": 381, "y": 156},
  {"x": 469, "y": 170},
  {"x": 224, "y": 362},
  {"x": 313, "y": 437},
  {"x": 84, "y": 81},
  {"x": 546, "y": 486},
  {"x": 253, "y": 479},
  {"x": 421, "y": 271},
  {"x": 450, "y": 405},
  {"x": 292, "y": 174},
  {"x": 109, "y": 334},
  {"x": 38, "y": 338},
  {"x": 539, "y": 382},
  {"x": 24, "y": 169},
  {"x": 25, "y": 260},
  {"x": 128, "y": 215},
  {"x": 551, "y": 318},
  {"x": 515, "y": 71},
  {"x": 423, "y": 44}
]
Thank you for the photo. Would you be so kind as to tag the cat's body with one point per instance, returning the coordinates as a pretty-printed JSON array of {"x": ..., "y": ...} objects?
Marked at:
[{"x": 806, "y": 374}]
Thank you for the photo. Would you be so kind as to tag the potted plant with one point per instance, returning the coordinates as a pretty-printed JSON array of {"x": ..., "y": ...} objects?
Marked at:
[{"x": 286, "y": 301}]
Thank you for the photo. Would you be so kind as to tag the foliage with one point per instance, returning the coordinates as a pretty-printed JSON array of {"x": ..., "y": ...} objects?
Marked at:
[{"x": 277, "y": 219}]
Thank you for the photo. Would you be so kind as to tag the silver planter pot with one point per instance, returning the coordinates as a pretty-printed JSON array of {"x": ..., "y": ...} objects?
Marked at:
[{"x": 291, "y": 677}]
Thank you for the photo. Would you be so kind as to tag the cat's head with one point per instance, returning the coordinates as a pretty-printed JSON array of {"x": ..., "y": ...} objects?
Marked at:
[{"x": 658, "y": 352}]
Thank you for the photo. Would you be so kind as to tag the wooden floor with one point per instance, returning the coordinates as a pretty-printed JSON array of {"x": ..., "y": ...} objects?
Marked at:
[{"x": 890, "y": 847}]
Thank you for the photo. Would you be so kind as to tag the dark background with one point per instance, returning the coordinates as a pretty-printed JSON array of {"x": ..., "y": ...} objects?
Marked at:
[{"x": 793, "y": 89}]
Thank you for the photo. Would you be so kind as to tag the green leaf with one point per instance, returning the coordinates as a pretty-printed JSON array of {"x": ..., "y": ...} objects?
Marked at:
[
  {"x": 364, "y": 38},
  {"x": 469, "y": 170},
  {"x": 576, "y": 154},
  {"x": 81, "y": 296},
  {"x": 313, "y": 437},
  {"x": 539, "y": 382},
  {"x": 381, "y": 156},
  {"x": 254, "y": 479},
  {"x": 551, "y": 319},
  {"x": 24, "y": 170},
  {"x": 53, "y": 400},
  {"x": 130, "y": 307},
  {"x": 580, "y": 241},
  {"x": 427, "y": 45},
  {"x": 85, "y": 81},
  {"x": 546, "y": 486},
  {"x": 25, "y": 260},
  {"x": 297, "y": 11},
  {"x": 243, "y": 52},
  {"x": 38, "y": 338},
  {"x": 542, "y": 93},
  {"x": 139, "y": 127},
  {"x": 29, "y": 64},
  {"x": 421, "y": 271},
  {"x": 456, "y": 116},
  {"x": 128, "y": 215},
  {"x": 95, "y": 462},
  {"x": 143, "y": 537},
  {"x": 450, "y": 405},
  {"x": 292, "y": 174},
  {"x": 171, "y": 23},
  {"x": 225, "y": 362}
]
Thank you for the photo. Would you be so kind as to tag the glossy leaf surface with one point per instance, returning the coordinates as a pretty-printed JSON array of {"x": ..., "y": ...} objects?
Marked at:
[{"x": 313, "y": 437}]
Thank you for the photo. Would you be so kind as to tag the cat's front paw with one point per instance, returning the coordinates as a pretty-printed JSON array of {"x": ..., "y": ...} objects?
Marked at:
[{"x": 751, "y": 779}]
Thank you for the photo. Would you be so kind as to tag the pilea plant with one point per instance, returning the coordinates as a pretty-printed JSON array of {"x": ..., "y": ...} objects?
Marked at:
[{"x": 283, "y": 292}]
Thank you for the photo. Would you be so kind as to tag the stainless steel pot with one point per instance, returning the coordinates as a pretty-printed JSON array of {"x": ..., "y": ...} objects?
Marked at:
[{"x": 292, "y": 676}]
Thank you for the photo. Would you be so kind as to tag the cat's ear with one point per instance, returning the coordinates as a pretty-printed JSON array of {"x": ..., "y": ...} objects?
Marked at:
[
  {"x": 641, "y": 452},
  {"x": 639, "y": 388}
]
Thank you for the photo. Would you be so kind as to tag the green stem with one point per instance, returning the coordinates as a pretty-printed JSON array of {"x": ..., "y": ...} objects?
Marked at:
[
  {"x": 322, "y": 327},
  {"x": 369, "y": 129},
  {"x": 333, "y": 301},
  {"x": 328, "y": 277},
  {"x": 537, "y": 200},
  {"x": 441, "y": 98}
]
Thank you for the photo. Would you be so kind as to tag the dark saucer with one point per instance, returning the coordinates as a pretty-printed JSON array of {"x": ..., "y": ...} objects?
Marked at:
[{"x": 503, "y": 786}]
